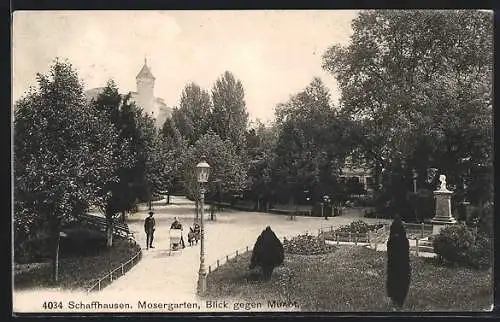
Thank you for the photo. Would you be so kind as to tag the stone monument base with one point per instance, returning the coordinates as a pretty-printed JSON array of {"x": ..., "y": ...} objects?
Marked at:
[
  {"x": 437, "y": 225},
  {"x": 443, "y": 215}
]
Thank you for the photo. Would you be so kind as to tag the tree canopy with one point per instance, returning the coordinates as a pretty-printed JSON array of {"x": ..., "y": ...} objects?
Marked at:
[
  {"x": 313, "y": 141},
  {"x": 63, "y": 154},
  {"x": 229, "y": 115},
  {"x": 193, "y": 116},
  {"x": 420, "y": 84},
  {"x": 63, "y": 148},
  {"x": 228, "y": 171}
]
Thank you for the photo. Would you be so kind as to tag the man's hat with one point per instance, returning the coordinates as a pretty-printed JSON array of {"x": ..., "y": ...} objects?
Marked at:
[{"x": 150, "y": 212}]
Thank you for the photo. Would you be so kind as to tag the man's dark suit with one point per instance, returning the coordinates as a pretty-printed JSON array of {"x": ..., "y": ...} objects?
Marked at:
[{"x": 149, "y": 228}]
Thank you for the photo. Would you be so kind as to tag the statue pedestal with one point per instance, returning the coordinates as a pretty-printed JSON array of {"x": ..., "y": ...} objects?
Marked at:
[{"x": 443, "y": 210}]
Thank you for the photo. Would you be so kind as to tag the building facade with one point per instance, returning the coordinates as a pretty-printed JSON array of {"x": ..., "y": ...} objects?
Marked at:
[
  {"x": 144, "y": 96},
  {"x": 353, "y": 171}
]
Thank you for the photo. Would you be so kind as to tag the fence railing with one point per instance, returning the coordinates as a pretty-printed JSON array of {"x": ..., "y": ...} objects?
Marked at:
[
  {"x": 115, "y": 273},
  {"x": 418, "y": 230},
  {"x": 415, "y": 233},
  {"x": 223, "y": 260},
  {"x": 371, "y": 238}
]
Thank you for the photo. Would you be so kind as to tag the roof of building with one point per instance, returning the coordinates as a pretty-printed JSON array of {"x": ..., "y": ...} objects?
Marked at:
[
  {"x": 93, "y": 93},
  {"x": 145, "y": 72}
]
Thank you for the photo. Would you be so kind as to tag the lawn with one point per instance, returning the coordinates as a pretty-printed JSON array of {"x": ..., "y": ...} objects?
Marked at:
[
  {"x": 75, "y": 272},
  {"x": 351, "y": 279}
]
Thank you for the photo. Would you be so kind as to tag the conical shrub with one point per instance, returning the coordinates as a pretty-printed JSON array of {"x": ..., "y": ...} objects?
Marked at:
[
  {"x": 267, "y": 253},
  {"x": 398, "y": 263}
]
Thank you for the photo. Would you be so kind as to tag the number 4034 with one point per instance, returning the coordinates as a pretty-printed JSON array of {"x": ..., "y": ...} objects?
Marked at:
[{"x": 52, "y": 305}]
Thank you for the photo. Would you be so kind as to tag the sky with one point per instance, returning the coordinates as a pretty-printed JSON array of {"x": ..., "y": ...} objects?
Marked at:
[{"x": 273, "y": 53}]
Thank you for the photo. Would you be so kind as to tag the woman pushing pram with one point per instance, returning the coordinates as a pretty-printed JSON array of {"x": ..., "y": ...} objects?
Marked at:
[{"x": 177, "y": 226}]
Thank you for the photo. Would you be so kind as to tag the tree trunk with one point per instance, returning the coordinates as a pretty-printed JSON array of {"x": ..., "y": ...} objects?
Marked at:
[
  {"x": 212, "y": 211},
  {"x": 55, "y": 258},
  {"x": 109, "y": 232},
  {"x": 123, "y": 216}
]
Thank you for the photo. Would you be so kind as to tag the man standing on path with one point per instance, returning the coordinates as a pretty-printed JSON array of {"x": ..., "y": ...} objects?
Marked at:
[{"x": 149, "y": 228}]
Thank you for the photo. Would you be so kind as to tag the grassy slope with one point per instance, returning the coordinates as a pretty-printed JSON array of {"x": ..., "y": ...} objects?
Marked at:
[
  {"x": 77, "y": 271},
  {"x": 353, "y": 279}
]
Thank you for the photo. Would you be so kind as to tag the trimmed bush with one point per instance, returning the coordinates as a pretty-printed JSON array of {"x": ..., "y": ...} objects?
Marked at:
[
  {"x": 267, "y": 253},
  {"x": 463, "y": 246},
  {"x": 307, "y": 245},
  {"x": 398, "y": 263}
]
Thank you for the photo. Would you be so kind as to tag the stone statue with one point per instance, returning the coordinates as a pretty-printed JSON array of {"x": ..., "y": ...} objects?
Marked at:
[{"x": 442, "y": 179}]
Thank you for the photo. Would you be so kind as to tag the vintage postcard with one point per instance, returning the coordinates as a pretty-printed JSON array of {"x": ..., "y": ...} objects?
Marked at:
[{"x": 252, "y": 161}]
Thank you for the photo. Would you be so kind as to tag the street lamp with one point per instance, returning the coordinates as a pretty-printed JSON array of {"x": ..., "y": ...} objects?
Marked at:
[
  {"x": 414, "y": 177},
  {"x": 202, "y": 172},
  {"x": 326, "y": 201}
]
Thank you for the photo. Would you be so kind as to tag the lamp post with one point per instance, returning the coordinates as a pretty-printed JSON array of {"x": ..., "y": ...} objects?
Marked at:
[
  {"x": 414, "y": 177},
  {"x": 202, "y": 171},
  {"x": 326, "y": 202}
]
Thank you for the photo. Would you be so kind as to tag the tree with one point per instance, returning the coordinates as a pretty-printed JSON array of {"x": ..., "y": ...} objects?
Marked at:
[
  {"x": 420, "y": 85},
  {"x": 62, "y": 154},
  {"x": 261, "y": 145},
  {"x": 146, "y": 143},
  {"x": 398, "y": 263},
  {"x": 267, "y": 253},
  {"x": 193, "y": 116},
  {"x": 310, "y": 156},
  {"x": 229, "y": 115},
  {"x": 151, "y": 157},
  {"x": 175, "y": 147},
  {"x": 119, "y": 196},
  {"x": 228, "y": 171}
]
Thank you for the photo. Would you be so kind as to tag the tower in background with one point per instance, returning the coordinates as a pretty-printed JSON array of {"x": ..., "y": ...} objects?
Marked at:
[
  {"x": 143, "y": 96},
  {"x": 145, "y": 82}
]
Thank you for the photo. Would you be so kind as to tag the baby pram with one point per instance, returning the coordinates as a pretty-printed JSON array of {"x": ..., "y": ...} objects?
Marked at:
[{"x": 175, "y": 239}]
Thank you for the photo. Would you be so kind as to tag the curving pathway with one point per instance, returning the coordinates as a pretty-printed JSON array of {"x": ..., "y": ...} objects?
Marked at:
[{"x": 160, "y": 278}]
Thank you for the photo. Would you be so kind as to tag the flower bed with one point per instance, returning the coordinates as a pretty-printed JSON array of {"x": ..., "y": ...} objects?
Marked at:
[
  {"x": 307, "y": 245},
  {"x": 357, "y": 231}
]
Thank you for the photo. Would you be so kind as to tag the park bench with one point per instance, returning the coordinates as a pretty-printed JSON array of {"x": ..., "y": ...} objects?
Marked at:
[
  {"x": 219, "y": 206},
  {"x": 119, "y": 228},
  {"x": 246, "y": 206},
  {"x": 289, "y": 210}
]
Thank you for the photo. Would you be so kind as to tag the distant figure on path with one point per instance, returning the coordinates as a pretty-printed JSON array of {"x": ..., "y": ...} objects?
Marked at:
[
  {"x": 149, "y": 228},
  {"x": 177, "y": 225}
]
